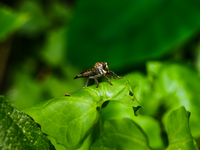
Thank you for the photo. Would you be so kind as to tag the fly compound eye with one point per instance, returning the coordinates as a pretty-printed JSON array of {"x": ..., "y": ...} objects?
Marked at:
[{"x": 105, "y": 66}]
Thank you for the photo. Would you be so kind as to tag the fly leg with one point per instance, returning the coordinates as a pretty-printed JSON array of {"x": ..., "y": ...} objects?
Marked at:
[
  {"x": 95, "y": 79},
  {"x": 92, "y": 77},
  {"x": 108, "y": 80},
  {"x": 87, "y": 82},
  {"x": 118, "y": 77},
  {"x": 109, "y": 75}
]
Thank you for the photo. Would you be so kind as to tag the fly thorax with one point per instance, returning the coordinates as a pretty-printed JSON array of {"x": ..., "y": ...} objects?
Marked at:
[{"x": 102, "y": 71}]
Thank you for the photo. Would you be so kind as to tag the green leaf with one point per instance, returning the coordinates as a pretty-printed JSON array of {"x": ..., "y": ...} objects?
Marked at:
[
  {"x": 10, "y": 22},
  {"x": 146, "y": 95},
  {"x": 18, "y": 131},
  {"x": 116, "y": 110},
  {"x": 129, "y": 32},
  {"x": 121, "y": 134},
  {"x": 180, "y": 86},
  {"x": 152, "y": 129},
  {"x": 178, "y": 131},
  {"x": 71, "y": 118}
]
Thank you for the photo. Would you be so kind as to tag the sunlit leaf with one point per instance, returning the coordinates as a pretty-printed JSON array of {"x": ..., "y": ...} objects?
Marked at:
[
  {"x": 121, "y": 134},
  {"x": 19, "y": 131},
  {"x": 146, "y": 95},
  {"x": 178, "y": 85},
  {"x": 71, "y": 118},
  {"x": 178, "y": 131}
]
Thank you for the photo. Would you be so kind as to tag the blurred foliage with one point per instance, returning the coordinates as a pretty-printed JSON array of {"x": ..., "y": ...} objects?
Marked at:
[
  {"x": 179, "y": 85},
  {"x": 37, "y": 66},
  {"x": 10, "y": 21},
  {"x": 45, "y": 44}
]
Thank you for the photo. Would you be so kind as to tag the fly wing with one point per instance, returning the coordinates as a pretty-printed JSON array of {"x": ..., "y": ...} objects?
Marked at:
[{"x": 86, "y": 73}]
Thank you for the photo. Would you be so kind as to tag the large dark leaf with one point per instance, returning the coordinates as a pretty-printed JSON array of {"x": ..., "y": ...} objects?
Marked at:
[{"x": 129, "y": 31}]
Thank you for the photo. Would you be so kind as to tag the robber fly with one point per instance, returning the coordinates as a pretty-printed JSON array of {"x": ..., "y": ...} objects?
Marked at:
[{"x": 100, "y": 69}]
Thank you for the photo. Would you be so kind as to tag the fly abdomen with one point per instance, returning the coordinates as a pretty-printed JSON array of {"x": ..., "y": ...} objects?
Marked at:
[
  {"x": 78, "y": 76},
  {"x": 86, "y": 73}
]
